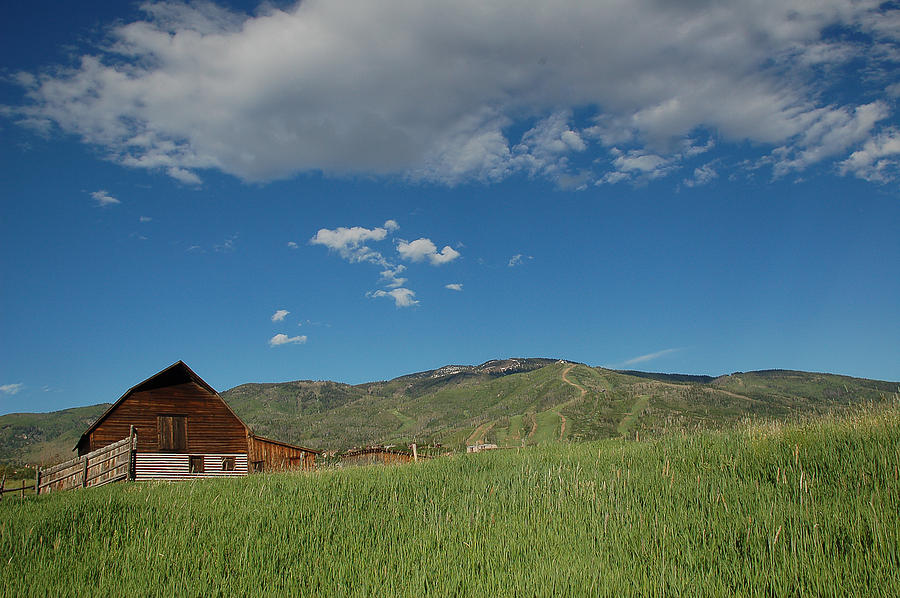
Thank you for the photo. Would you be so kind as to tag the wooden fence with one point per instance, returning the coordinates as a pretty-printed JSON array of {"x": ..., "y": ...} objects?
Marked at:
[
  {"x": 20, "y": 491},
  {"x": 111, "y": 463}
]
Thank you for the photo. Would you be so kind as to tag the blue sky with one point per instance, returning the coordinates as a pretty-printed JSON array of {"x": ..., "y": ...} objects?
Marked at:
[{"x": 354, "y": 190}]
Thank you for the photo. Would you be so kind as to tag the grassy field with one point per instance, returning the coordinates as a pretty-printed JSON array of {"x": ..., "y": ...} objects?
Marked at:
[{"x": 800, "y": 509}]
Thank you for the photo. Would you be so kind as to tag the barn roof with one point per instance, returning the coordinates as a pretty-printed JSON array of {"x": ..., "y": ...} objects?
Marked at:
[
  {"x": 177, "y": 373},
  {"x": 287, "y": 444}
]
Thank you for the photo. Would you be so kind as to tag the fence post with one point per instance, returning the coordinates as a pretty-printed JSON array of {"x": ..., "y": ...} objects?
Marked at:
[
  {"x": 2, "y": 484},
  {"x": 23, "y": 487},
  {"x": 37, "y": 482},
  {"x": 132, "y": 465},
  {"x": 84, "y": 473}
]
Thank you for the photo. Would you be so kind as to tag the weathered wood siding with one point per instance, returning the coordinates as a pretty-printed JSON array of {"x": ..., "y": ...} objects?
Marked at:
[
  {"x": 375, "y": 457},
  {"x": 176, "y": 466},
  {"x": 271, "y": 455},
  {"x": 211, "y": 428},
  {"x": 107, "y": 464}
]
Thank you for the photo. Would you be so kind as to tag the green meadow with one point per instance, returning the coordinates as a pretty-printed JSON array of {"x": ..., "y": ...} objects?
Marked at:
[{"x": 797, "y": 509}]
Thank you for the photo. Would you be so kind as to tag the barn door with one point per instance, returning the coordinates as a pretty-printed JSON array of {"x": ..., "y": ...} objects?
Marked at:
[{"x": 172, "y": 433}]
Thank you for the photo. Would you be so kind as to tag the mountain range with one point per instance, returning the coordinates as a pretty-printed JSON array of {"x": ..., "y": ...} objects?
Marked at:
[{"x": 509, "y": 402}]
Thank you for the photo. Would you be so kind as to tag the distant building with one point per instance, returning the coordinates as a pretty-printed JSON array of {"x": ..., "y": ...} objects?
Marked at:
[
  {"x": 185, "y": 430},
  {"x": 477, "y": 448}
]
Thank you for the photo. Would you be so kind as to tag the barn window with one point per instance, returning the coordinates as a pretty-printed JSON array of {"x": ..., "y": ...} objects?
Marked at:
[
  {"x": 257, "y": 465},
  {"x": 227, "y": 463},
  {"x": 196, "y": 464},
  {"x": 172, "y": 431}
]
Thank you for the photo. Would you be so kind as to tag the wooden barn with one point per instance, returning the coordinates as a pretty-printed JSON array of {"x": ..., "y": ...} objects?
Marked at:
[{"x": 185, "y": 430}]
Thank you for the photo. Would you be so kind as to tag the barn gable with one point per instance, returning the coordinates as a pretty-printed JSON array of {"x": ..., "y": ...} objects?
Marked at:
[
  {"x": 174, "y": 411},
  {"x": 175, "y": 374}
]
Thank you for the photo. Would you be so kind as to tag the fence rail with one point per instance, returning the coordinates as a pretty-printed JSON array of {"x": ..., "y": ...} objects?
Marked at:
[
  {"x": 21, "y": 490},
  {"x": 111, "y": 463}
]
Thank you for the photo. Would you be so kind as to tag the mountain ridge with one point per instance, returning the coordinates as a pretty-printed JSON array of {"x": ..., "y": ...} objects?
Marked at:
[{"x": 511, "y": 402}]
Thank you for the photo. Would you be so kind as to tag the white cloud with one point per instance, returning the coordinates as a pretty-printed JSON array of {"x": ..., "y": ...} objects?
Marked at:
[
  {"x": 283, "y": 339},
  {"x": 437, "y": 91},
  {"x": 391, "y": 277},
  {"x": 421, "y": 249},
  {"x": 447, "y": 254},
  {"x": 702, "y": 175},
  {"x": 350, "y": 243},
  {"x": 829, "y": 132},
  {"x": 280, "y": 315},
  {"x": 417, "y": 250},
  {"x": 185, "y": 176},
  {"x": 402, "y": 297},
  {"x": 637, "y": 163},
  {"x": 518, "y": 260},
  {"x": 883, "y": 24},
  {"x": 226, "y": 246},
  {"x": 145, "y": 219},
  {"x": 544, "y": 147},
  {"x": 640, "y": 166},
  {"x": 104, "y": 199},
  {"x": 614, "y": 177},
  {"x": 454, "y": 286},
  {"x": 292, "y": 245},
  {"x": 878, "y": 160},
  {"x": 577, "y": 181},
  {"x": 11, "y": 389}
]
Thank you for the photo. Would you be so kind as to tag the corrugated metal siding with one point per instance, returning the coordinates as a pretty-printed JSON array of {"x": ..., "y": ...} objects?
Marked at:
[{"x": 169, "y": 466}]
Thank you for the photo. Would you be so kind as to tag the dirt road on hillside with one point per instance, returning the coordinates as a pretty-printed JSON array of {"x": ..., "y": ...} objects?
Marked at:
[{"x": 583, "y": 390}]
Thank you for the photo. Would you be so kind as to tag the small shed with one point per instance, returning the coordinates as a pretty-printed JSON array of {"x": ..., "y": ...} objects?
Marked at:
[
  {"x": 186, "y": 430},
  {"x": 477, "y": 448}
]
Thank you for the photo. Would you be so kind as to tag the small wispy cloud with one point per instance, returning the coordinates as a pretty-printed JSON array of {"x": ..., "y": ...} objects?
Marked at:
[
  {"x": 185, "y": 176},
  {"x": 103, "y": 198},
  {"x": 402, "y": 297},
  {"x": 292, "y": 245},
  {"x": 391, "y": 277},
  {"x": 226, "y": 246},
  {"x": 145, "y": 218},
  {"x": 702, "y": 176},
  {"x": 279, "y": 315},
  {"x": 11, "y": 389},
  {"x": 454, "y": 286},
  {"x": 283, "y": 339},
  {"x": 650, "y": 356},
  {"x": 518, "y": 260}
]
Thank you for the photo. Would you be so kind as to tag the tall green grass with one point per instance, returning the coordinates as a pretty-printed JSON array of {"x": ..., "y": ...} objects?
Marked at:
[{"x": 811, "y": 509}]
